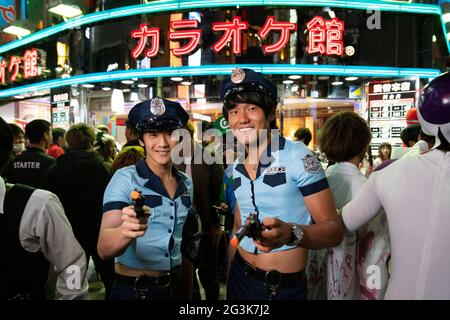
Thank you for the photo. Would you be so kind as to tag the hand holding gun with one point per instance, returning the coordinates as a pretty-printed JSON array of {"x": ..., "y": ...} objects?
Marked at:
[
  {"x": 138, "y": 202},
  {"x": 252, "y": 228}
]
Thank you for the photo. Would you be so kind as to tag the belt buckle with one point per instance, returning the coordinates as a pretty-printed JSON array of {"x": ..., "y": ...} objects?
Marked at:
[
  {"x": 163, "y": 280},
  {"x": 272, "y": 281},
  {"x": 141, "y": 285}
]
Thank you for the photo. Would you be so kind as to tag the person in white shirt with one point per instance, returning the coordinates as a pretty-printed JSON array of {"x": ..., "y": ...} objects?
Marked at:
[
  {"x": 414, "y": 192},
  {"x": 344, "y": 139},
  {"x": 36, "y": 232}
]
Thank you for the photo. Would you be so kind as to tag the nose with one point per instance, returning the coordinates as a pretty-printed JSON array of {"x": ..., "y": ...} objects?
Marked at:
[
  {"x": 163, "y": 140},
  {"x": 243, "y": 117}
]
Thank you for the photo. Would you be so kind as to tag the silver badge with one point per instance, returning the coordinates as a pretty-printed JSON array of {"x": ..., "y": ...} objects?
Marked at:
[
  {"x": 237, "y": 75},
  {"x": 157, "y": 107},
  {"x": 311, "y": 164}
]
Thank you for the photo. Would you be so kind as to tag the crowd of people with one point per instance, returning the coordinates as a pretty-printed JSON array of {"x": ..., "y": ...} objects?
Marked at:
[{"x": 292, "y": 229}]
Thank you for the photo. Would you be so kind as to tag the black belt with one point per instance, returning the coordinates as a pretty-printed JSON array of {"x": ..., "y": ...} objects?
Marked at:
[
  {"x": 162, "y": 281},
  {"x": 272, "y": 277}
]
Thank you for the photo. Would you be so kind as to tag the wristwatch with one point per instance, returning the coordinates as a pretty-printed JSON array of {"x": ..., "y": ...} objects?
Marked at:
[{"x": 296, "y": 235}]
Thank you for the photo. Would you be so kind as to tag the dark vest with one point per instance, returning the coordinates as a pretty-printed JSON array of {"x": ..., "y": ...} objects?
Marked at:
[{"x": 26, "y": 272}]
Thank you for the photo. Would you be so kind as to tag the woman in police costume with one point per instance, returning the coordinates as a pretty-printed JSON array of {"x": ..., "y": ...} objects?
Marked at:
[
  {"x": 283, "y": 184},
  {"x": 148, "y": 249}
]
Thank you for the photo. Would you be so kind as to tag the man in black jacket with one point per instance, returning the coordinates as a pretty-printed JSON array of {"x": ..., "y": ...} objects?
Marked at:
[
  {"x": 31, "y": 166},
  {"x": 79, "y": 178}
]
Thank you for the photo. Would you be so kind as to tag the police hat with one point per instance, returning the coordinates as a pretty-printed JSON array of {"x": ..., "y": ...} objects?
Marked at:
[
  {"x": 247, "y": 80},
  {"x": 158, "y": 114}
]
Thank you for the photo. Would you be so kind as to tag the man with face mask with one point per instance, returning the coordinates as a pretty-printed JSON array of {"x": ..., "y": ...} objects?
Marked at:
[{"x": 31, "y": 166}]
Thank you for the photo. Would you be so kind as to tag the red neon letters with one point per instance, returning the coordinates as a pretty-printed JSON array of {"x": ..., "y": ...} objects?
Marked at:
[
  {"x": 143, "y": 34},
  {"x": 30, "y": 64},
  {"x": 326, "y": 37},
  {"x": 232, "y": 33},
  {"x": 284, "y": 27},
  {"x": 192, "y": 34}
]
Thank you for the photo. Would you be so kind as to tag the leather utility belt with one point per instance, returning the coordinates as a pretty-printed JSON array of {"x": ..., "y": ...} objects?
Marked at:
[
  {"x": 142, "y": 283},
  {"x": 272, "y": 279}
]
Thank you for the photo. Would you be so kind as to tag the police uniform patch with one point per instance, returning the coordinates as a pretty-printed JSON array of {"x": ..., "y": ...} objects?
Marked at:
[
  {"x": 157, "y": 107},
  {"x": 311, "y": 164},
  {"x": 237, "y": 75}
]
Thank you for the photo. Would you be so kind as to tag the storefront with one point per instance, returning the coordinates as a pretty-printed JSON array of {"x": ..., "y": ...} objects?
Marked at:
[{"x": 325, "y": 57}]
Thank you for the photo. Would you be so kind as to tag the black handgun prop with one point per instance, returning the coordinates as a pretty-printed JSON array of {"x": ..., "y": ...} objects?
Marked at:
[
  {"x": 252, "y": 228},
  {"x": 138, "y": 202}
]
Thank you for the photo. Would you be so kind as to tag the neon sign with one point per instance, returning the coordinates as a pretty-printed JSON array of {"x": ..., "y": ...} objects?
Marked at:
[
  {"x": 193, "y": 34},
  {"x": 325, "y": 36},
  {"x": 30, "y": 66}
]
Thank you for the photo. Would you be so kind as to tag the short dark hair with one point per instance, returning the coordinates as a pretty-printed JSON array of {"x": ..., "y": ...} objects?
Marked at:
[
  {"x": 6, "y": 143},
  {"x": 344, "y": 136},
  {"x": 132, "y": 126},
  {"x": 303, "y": 134},
  {"x": 16, "y": 130},
  {"x": 80, "y": 137},
  {"x": 34, "y": 130},
  {"x": 428, "y": 139},
  {"x": 58, "y": 132},
  {"x": 252, "y": 97},
  {"x": 410, "y": 133}
]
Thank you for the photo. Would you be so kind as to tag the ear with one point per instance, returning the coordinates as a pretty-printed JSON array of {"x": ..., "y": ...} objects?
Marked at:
[{"x": 271, "y": 115}]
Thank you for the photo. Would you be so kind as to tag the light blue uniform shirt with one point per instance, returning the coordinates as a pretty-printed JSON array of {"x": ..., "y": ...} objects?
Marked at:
[
  {"x": 294, "y": 172},
  {"x": 159, "y": 248}
]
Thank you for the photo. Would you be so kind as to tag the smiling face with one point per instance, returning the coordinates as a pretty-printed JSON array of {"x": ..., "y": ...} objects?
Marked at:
[
  {"x": 158, "y": 147},
  {"x": 246, "y": 120}
]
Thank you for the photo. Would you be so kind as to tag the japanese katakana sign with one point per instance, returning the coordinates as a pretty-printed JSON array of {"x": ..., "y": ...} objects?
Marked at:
[
  {"x": 325, "y": 37},
  {"x": 28, "y": 63}
]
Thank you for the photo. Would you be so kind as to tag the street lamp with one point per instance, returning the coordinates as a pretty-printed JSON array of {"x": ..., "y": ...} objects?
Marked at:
[
  {"x": 19, "y": 28},
  {"x": 67, "y": 11}
]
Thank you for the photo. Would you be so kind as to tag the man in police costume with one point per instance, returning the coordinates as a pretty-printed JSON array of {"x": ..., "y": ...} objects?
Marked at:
[
  {"x": 31, "y": 166},
  {"x": 148, "y": 249},
  {"x": 283, "y": 184},
  {"x": 35, "y": 232}
]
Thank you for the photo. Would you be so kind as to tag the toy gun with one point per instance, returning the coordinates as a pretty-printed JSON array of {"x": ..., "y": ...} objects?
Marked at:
[
  {"x": 138, "y": 202},
  {"x": 252, "y": 228}
]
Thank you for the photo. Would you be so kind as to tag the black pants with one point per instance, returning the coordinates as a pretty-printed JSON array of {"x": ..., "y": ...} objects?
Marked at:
[
  {"x": 105, "y": 268},
  {"x": 127, "y": 291},
  {"x": 208, "y": 270},
  {"x": 241, "y": 286}
]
